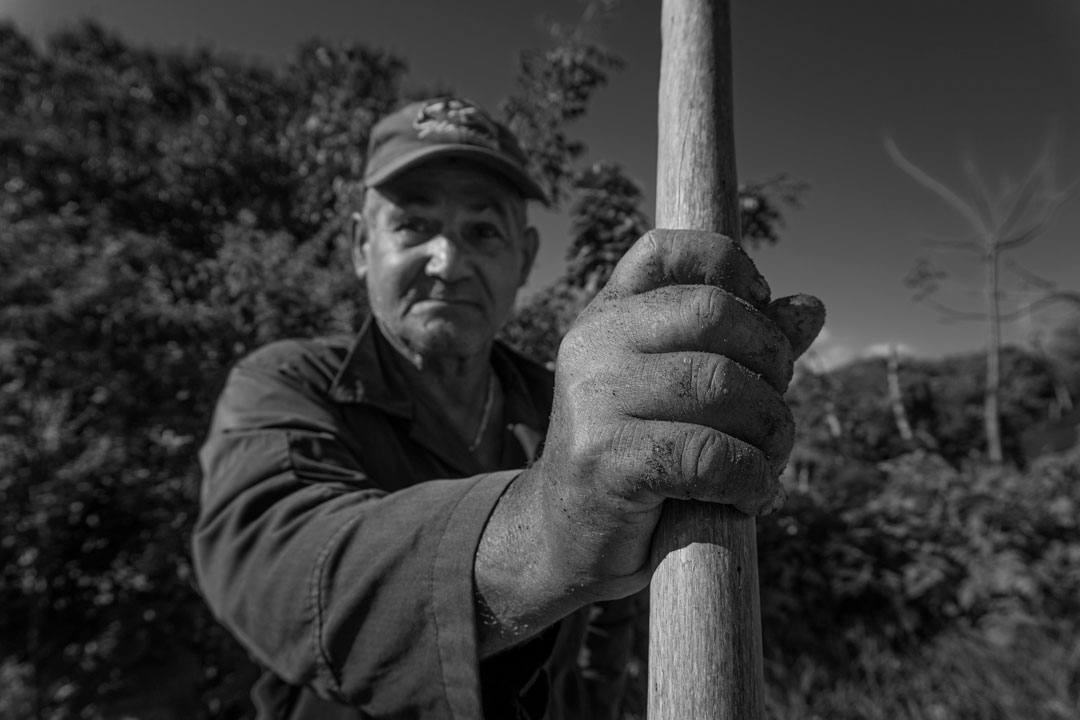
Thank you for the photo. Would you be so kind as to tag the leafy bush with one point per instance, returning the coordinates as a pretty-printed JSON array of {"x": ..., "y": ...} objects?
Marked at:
[
  {"x": 943, "y": 400},
  {"x": 149, "y": 231},
  {"x": 898, "y": 554},
  {"x": 98, "y": 482}
]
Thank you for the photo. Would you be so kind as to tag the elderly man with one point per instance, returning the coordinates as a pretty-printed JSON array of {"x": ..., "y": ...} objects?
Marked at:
[{"x": 379, "y": 526}]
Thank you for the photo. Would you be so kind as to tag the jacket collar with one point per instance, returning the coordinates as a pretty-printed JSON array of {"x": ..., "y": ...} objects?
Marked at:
[{"x": 371, "y": 375}]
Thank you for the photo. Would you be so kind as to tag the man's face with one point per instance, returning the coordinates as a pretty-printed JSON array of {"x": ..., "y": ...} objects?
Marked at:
[{"x": 444, "y": 248}]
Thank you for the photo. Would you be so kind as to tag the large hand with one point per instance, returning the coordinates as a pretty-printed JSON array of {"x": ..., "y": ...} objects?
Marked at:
[{"x": 670, "y": 384}]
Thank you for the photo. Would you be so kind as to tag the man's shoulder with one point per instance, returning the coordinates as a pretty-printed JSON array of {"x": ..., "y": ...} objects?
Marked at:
[
  {"x": 312, "y": 361},
  {"x": 329, "y": 348}
]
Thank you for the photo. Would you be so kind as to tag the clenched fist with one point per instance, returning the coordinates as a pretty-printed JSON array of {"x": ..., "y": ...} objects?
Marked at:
[{"x": 669, "y": 385}]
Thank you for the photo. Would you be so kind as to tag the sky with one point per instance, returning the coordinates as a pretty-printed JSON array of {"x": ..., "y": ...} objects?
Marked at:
[{"x": 818, "y": 86}]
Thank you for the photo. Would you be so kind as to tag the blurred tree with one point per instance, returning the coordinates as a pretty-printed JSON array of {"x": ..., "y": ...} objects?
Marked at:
[
  {"x": 762, "y": 204},
  {"x": 943, "y": 400},
  {"x": 1001, "y": 222},
  {"x": 554, "y": 87},
  {"x": 340, "y": 93},
  {"x": 605, "y": 220},
  {"x": 157, "y": 222},
  {"x": 1060, "y": 344}
]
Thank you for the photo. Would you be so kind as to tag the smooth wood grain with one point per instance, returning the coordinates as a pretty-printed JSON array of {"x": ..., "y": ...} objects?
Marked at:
[{"x": 705, "y": 625}]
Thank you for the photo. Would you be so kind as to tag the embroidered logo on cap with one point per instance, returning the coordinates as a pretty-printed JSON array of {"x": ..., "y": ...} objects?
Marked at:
[{"x": 456, "y": 121}]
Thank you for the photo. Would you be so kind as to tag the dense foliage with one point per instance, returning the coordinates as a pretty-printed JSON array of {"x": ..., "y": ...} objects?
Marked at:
[
  {"x": 942, "y": 400},
  {"x": 606, "y": 219},
  {"x": 149, "y": 197},
  {"x": 915, "y": 590},
  {"x": 909, "y": 548},
  {"x": 164, "y": 213}
]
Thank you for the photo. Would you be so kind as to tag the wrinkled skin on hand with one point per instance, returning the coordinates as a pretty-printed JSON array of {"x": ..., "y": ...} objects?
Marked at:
[{"x": 669, "y": 385}]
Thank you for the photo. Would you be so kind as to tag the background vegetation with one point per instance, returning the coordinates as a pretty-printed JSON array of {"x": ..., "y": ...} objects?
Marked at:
[{"x": 163, "y": 213}]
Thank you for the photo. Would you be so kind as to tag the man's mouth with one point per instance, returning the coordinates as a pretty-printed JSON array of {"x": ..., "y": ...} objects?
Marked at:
[{"x": 461, "y": 302}]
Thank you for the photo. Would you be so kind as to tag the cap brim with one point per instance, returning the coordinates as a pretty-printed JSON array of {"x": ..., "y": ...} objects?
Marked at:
[{"x": 528, "y": 187}]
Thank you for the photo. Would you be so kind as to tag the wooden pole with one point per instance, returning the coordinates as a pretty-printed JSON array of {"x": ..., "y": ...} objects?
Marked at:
[{"x": 705, "y": 626}]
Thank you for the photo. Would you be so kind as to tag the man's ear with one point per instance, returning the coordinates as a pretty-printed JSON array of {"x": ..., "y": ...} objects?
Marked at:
[
  {"x": 358, "y": 237},
  {"x": 531, "y": 243}
]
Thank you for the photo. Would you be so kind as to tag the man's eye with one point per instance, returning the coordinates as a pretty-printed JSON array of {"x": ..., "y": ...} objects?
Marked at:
[
  {"x": 486, "y": 231},
  {"x": 416, "y": 225}
]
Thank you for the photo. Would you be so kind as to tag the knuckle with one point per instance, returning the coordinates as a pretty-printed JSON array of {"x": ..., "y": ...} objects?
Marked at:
[
  {"x": 651, "y": 241},
  {"x": 706, "y": 305},
  {"x": 718, "y": 468},
  {"x": 589, "y": 447},
  {"x": 595, "y": 328},
  {"x": 587, "y": 440},
  {"x": 641, "y": 459},
  {"x": 712, "y": 379},
  {"x": 582, "y": 326},
  {"x": 592, "y": 395},
  {"x": 626, "y": 438},
  {"x": 703, "y": 452},
  {"x": 646, "y": 257}
]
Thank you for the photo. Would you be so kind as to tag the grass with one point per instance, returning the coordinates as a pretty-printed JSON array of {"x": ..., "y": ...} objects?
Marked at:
[{"x": 1021, "y": 673}]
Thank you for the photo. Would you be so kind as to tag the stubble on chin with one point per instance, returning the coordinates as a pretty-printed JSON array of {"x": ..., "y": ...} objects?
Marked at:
[{"x": 439, "y": 337}]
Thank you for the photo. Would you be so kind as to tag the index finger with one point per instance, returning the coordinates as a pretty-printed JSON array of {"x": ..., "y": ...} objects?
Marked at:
[{"x": 688, "y": 257}]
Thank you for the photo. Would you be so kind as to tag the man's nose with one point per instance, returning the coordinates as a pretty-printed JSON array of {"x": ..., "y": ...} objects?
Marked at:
[{"x": 445, "y": 259}]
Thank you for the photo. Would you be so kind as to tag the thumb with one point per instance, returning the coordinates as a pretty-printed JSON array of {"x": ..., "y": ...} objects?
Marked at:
[{"x": 800, "y": 318}]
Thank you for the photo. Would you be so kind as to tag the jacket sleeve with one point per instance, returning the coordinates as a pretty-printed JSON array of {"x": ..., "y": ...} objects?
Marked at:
[{"x": 364, "y": 596}]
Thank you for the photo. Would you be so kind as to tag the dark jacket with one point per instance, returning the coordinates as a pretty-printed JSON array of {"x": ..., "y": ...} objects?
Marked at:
[{"x": 338, "y": 527}]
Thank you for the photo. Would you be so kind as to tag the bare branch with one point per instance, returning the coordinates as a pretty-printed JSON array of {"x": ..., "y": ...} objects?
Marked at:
[
  {"x": 990, "y": 206},
  {"x": 967, "y": 245},
  {"x": 951, "y": 313},
  {"x": 1038, "y": 195},
  {"x": 1022, "y": 201},
  {"x": 1023, "y": 237},
  {"x": 1072, "y": 297},
  {"x": 937, "y": 187},
  {"x": 1066, "y": 296},
  {"x": 1028, "y": 276}
]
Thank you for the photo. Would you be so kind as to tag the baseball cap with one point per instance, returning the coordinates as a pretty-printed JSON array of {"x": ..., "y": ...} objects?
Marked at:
[{"x": 446, "y": 127}]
